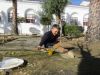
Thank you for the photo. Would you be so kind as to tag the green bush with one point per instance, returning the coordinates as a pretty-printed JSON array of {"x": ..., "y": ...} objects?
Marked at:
[
  {"x": 20, "y": 19},
  {"x": 45, "y": 20},
  {"x": 73, "y": 30}
]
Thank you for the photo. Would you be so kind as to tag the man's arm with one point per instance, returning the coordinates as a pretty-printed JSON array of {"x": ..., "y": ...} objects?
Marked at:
[{"x": 44, "y": 39}]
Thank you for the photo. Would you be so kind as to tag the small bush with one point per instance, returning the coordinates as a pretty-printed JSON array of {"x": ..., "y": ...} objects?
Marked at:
[
  {"x": 73, "y": 30},
  {"x": 45, "y": 20},
  {"x": 21, "y": 19}
]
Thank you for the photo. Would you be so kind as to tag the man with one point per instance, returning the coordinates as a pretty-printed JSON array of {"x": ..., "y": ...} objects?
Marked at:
[{"x": 50, "y": 39}]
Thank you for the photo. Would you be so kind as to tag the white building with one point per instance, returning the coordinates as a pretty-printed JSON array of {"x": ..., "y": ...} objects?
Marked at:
[{"x": 30, "y": 10}]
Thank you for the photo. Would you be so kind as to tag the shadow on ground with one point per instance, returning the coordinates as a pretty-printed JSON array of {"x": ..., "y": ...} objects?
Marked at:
[{"x": 88, "y": 65}]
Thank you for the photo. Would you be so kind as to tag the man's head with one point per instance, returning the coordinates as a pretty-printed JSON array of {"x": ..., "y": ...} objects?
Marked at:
[{"x": 55, "y": 29}]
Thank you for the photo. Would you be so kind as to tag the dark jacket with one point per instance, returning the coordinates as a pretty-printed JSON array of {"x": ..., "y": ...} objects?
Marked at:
[{"x": 48, "y": 38}]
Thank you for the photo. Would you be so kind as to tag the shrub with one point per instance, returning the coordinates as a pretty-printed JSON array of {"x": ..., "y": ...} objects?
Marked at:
[
  {"x": 73, "y": 30},
  {"x": 45, "y": 20},
  {"x": 20, "y": 19}
]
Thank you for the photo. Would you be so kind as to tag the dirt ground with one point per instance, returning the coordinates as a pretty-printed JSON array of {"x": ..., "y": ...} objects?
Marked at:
[{"x": 86, "y": 61}]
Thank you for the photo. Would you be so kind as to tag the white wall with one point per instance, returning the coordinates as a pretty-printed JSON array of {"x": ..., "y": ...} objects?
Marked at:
[
  {"x": 80, "y": 10},
  {"x": 29, "y": 29},
  {"x": 23, "y": 7},
  {"x": 36, "y": 8}
]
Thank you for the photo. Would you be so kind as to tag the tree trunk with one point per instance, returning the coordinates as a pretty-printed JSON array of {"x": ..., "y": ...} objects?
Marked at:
[
  {"x": 48, "y": 28},
  {"x": 60, "y": 25},
  {"x": 14, "y": 22},
  {"x": 93, "y": 32}
]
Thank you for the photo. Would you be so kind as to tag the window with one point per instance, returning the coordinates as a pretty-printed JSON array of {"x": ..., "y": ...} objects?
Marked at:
[
  {"x": 30, "y": 18},
  {"x": 10, "y": 14},
  {"x": 74, "y": 20},
  {"x": 63, "y": 18},
  {"x": 0, "y": 19},
  {"x": 85, "y": 21}
]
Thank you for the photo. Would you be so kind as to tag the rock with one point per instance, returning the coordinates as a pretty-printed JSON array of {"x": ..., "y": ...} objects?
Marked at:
[
  {"x": 67, "y": 45},
  {"x": 69, "y": 54}
]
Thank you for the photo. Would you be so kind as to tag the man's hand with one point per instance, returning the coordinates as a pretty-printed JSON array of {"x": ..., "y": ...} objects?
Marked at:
[{"x": 39, "y": 47}]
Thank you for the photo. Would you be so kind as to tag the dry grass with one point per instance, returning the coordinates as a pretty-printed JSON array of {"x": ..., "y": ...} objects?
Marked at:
[{"x": 39, "y": 63}]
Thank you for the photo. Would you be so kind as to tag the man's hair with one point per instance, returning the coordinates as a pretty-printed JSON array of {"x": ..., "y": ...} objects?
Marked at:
[{"x": 56, "y": 26}]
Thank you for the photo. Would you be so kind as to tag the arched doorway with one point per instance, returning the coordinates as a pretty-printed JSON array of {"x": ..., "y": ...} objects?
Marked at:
[
  {"x": 31, "y": 16},
  {"x": 74, "y": 18},
  {"x": 2, "y": 17},
  {"x": 85, "y": 19},
  {"x": 85, "y": 22},
  {"x": 10, "y": 14},
  {"x": 2, "y": 21}
]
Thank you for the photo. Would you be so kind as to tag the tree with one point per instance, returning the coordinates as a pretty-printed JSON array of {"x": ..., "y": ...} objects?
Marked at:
[
  {"x": 55, "y": 7},
  {"x": 45, "y": 20},
  {"x": 14, "y": 22},
  {"x": 93, "y": 31}
]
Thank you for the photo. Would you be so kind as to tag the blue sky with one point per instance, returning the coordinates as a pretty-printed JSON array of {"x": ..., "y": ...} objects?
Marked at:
[{"x": 76, "y": 2}]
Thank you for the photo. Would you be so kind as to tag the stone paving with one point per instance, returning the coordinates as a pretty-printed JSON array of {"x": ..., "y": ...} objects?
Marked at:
[{"x": 22, "y": 43}]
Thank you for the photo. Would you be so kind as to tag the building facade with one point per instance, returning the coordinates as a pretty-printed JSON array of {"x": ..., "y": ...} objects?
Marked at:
[{"x": 29, "y": 12}]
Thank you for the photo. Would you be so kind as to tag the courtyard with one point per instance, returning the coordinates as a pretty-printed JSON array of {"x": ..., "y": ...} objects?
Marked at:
[{"x": 40, "y": 63}]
